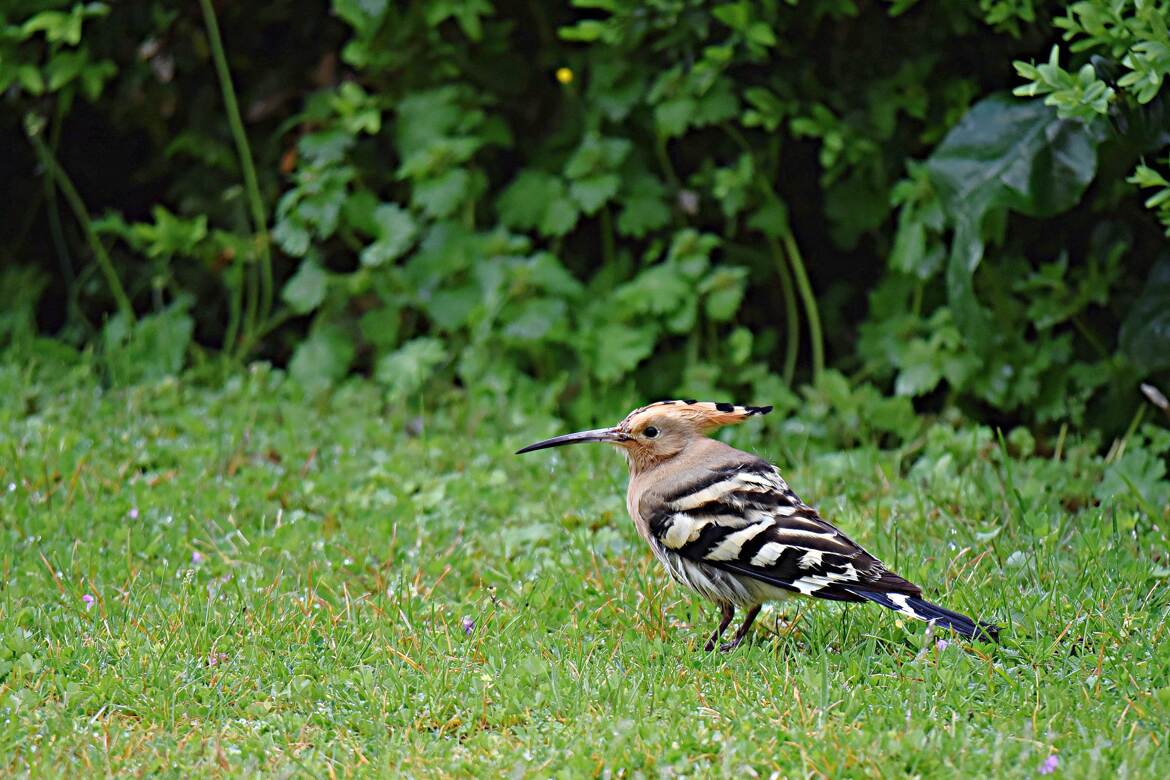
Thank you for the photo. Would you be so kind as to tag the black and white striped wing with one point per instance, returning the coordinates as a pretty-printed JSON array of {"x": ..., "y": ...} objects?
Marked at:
[{"x": 746, "y": 521}]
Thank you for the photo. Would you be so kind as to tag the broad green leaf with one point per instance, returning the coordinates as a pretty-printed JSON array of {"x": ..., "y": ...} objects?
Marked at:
[
  {"x": 523, "y": 204},
  {"x": 395, "y": 232},
  {"x": 450, "y": 310},
  {"x": 547, "y": 272},
  {"x": 441, "y": 196},
  {"x": 592, "y": 192},
  {"x": 1145, "y": 334},
  {"x": 380, "y": 326},
  {"x": 406, "y": 370},
  {"x": 739, "y": 346},
  {"x": 619, "y": 348},
  {"x": 724, "y": 290},
  {"x": 644, "y": 207},
  {"x": 1004, "y": 155},
  {"x": 560, "y": 215},
  {"x": 537, "y": 320},
  {"x": 321, "y": 359},
  {"x": 306, "y": 289},
  {"x": 674, "y": 116}
]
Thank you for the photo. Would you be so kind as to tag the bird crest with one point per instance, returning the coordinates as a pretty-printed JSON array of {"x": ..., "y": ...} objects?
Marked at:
[{"x": 704, "y": 415}]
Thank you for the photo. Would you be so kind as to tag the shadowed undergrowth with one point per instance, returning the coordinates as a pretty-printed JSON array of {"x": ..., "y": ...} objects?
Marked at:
[{"x": 241, "y": 580}]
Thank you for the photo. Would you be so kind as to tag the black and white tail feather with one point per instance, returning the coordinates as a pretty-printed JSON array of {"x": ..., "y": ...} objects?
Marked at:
[
  {"x": 920, "y": 609},
  {"x": 740, "y": 536}
]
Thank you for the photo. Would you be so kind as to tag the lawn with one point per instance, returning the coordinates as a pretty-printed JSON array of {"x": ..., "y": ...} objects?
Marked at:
[{"x": 225, "y": 578}]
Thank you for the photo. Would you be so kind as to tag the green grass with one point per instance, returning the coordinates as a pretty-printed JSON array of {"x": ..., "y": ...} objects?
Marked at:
[{"x": 320, "y": 628}]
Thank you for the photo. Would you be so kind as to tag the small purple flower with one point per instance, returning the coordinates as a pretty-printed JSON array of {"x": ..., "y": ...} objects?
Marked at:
[
  {"x": 213, "y": 659},
  {"x": 88, "y": 600},
  {"x": 134, "y": 513},
  {"x": 468, "y": 625},
  {"x": 941, "y": 645},
  {"x": 196, "y": 557},
  {"x": 1050, "y": 764}
]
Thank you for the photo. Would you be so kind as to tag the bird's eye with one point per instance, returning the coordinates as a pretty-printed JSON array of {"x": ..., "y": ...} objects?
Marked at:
[{"x": 650, "y": 432}]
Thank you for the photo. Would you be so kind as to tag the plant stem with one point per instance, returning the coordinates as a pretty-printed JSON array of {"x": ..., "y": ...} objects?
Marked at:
[
  {"x": 810, "y": 303},
  {"x": 78, "y": 205},
  {"x": 251, "y": 183},
  {"x": 664, "y": 161},
  {"x": 795, "y": 261},
  {"x": 792, "y": 321}
]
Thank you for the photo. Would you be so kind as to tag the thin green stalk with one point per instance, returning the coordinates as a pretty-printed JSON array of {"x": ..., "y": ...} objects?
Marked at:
[
  {"x": 795, "y": 261},
  {"x": 235, "y": 284},
  {"x": 78, "y": 206},
  {"x": 792, "y": 321},
  {"x": 664, "y": 161},
  {"x": 251, "y": 183},
  {"x": 810, "y": 303}
]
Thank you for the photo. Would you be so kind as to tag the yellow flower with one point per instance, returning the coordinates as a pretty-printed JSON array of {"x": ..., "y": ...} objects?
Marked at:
[{"x": 565, "y": 75}]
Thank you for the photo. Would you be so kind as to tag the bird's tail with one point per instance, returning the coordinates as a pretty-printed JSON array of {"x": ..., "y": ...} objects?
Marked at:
[{"x": 920, "y": 609}]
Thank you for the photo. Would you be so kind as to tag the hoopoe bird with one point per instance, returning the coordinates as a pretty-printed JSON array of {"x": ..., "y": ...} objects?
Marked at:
[{"x": 725, "y": 524}]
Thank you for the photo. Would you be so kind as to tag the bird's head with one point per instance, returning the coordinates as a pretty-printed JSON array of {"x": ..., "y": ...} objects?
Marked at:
[{"x": 658, "y": 432}]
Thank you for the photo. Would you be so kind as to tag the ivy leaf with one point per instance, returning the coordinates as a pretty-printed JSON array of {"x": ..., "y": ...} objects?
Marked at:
[
  {"x": 1145, "y": 334},
  {"x": 407, "y": 369},
  {"x": 395, "y": 230},
  {"x": 306, "y": 289}
]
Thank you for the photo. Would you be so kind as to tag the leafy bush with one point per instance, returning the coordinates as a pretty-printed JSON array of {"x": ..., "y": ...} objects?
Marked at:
[{"x": 591, "y": 202}]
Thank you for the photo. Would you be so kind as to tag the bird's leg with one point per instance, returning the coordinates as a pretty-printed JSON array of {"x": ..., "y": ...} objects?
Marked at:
[
  {"x": 728, "y": 614},
  {"x": 741, "y": 632}
]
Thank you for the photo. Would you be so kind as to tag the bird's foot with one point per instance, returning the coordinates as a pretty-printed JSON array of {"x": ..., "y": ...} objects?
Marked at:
[{"x": 727, "y": 647}]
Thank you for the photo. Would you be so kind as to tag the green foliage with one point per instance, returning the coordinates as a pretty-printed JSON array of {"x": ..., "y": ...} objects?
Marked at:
[{"x": 590, "y": 203}]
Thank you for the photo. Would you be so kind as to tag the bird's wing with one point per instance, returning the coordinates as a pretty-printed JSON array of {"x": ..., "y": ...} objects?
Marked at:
[{"x": 744, "y": 519}]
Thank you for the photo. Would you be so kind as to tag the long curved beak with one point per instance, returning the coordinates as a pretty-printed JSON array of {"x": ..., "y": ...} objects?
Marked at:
[{"x": 612, "y": 435}]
